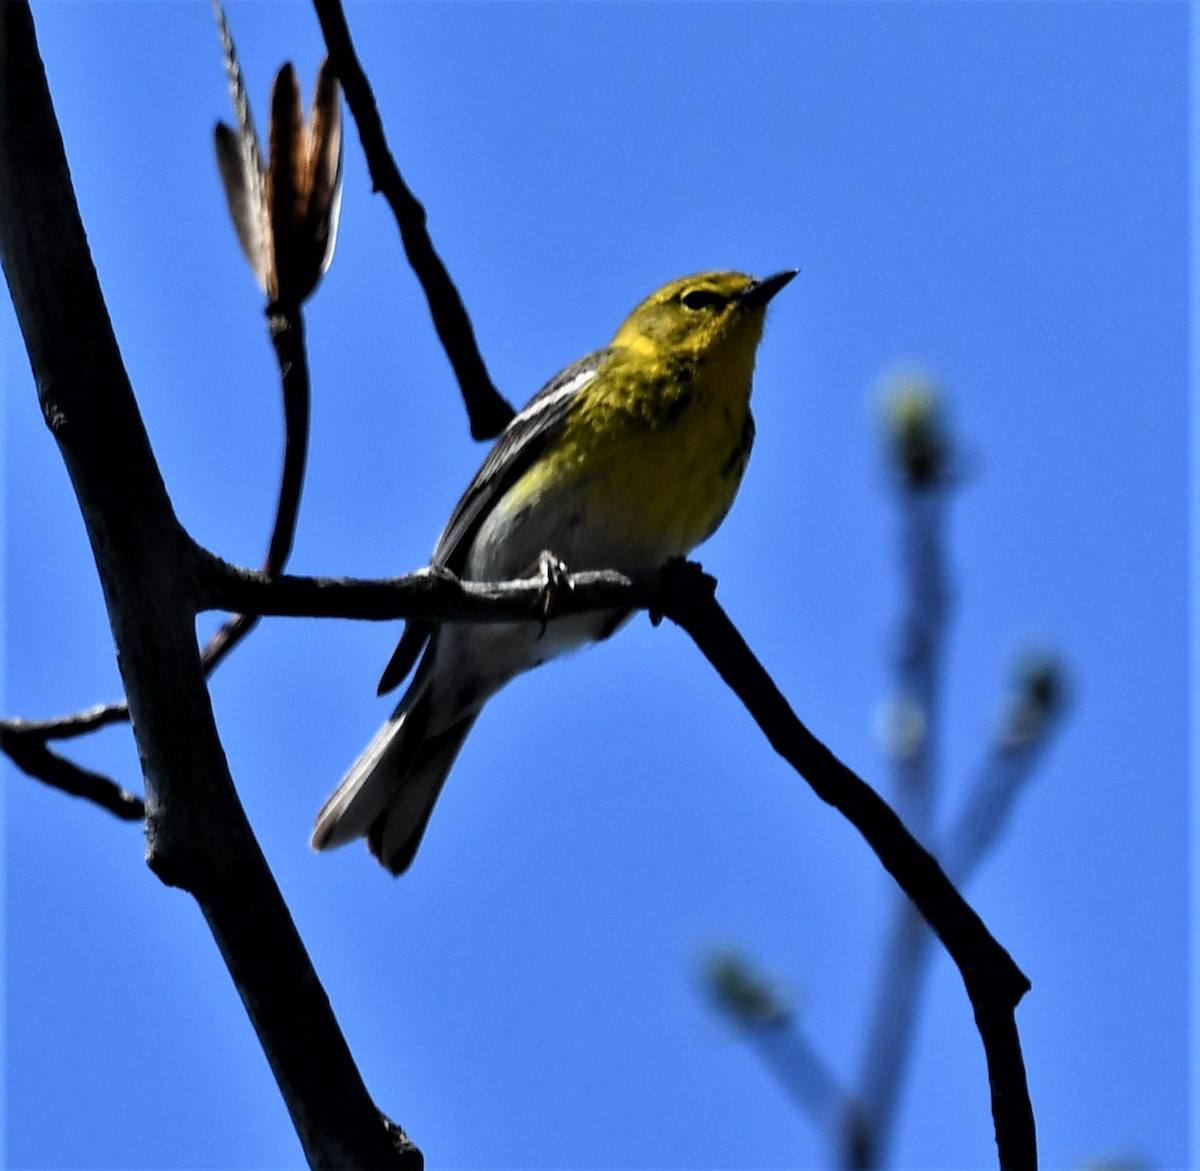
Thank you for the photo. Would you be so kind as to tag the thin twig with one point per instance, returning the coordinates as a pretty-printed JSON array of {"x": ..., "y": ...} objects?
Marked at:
[
  {"x": 998, "y": 784},
  {"x": 25, "y": 741},
  {"x": 802, "y": 1072},
  {"x": 82, "y": 723},
  {"x": 287, "y": 336},
  {"x": 487, "y": 409},
  {"x": 990, "y": 802},
  {"x": 30, "y": 754}
]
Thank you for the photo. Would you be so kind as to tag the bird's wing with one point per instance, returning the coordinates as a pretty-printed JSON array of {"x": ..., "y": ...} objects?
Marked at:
[{"x": 519, "y": 445}]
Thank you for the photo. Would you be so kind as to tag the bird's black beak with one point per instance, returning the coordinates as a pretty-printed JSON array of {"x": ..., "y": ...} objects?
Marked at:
[{"x": 760, "y": 292}]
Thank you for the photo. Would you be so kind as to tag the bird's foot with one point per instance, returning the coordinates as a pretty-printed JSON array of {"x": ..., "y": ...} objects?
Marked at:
[{"x": 555, "y": 579}]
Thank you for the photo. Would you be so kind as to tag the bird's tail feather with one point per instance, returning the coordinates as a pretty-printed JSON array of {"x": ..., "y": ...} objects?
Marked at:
[
  {"x": 397, "y": 829},
  {"x": 389, "y": 792},
  {"x": 364, "y": 792}
]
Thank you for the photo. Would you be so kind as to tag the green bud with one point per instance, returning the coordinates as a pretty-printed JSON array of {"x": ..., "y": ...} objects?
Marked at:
[
  {"x": 916, "y": 433},
  {"x": 1039, "y": 691},
  {"x": 741, "y": 992}
]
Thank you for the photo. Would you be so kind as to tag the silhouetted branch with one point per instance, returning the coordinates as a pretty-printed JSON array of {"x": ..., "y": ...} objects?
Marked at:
[
  {"x": 487, "y": 408},
  {"x": 82, "y": 723},
  {"x": 155, "y": 580},
  {"x": 999, "y": 782},
  {"x": 28, "y": 751},
  {"x": 197, "y": 836},
  {"x": 285, "y": 212},
  {"x": 684, "y": 594},
  {"x": 994, "y": 983},
  {"x": 287, "y": 335},
  {"x": 292, "y": 262}
]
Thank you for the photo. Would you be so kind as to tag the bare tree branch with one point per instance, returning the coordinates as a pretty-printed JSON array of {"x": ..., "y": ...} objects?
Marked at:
[
  {"x": 684, "y": 594},
  {"x": 994, "y": 983},
  {"x": 751, "y": 1002},
  {"x": 287, "y": 336},
  {"x": 197, "y": 834},
  {"x": 1034, "y": 712},
  {"x": 25, "y": 742},
  {"x": 488, "y": 410},
  {"x": 155, "y": 580},
  {"x": 29, "y": 753},
  {"x": 82, "y": 723}
]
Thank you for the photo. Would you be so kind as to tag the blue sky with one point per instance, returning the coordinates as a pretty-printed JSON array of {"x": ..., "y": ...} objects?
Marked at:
[{"x": 995, "y": 191}]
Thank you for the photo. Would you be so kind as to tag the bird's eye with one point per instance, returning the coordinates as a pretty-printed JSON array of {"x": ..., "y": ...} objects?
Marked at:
[{"x": 702, "y": 299}]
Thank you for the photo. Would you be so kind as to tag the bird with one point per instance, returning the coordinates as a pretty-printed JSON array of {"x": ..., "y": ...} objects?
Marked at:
[{"x": 627, "y": 459}]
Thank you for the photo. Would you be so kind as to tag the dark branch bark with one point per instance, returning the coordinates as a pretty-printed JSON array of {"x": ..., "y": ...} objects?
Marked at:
[
  {"x": 287, "y": 336},
  {"x": 29, "y": 753},
  {"x": 993, "y": 981},
  {"x": 155, "y": 580},
  {"x": 430, "y": 593},
  {"x": 487, "y": 408},
  {"x": 197, "y": 834},
  {"x": 25, "y": 742},
  {"x": 682, "y": 593}
]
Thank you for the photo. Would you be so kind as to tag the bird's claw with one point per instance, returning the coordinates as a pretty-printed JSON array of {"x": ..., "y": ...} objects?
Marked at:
[{"x": 555, "y": 578}]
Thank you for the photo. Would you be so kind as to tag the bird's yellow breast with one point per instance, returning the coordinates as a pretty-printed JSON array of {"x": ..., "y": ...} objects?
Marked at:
[{"x": 647, "y": 470}]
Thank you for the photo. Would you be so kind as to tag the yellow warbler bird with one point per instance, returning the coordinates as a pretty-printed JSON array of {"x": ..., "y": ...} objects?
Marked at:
[{"x": 628, "y": 458}]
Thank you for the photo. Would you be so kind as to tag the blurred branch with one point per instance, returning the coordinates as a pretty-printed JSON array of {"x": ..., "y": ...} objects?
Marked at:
[
  {"x": 749, "y": 1000},
  {"x": 919, "y": 452},
  {"x": 802, "y": 1072},
  {"x": 859, "y": 1128},
  {"x": 197, "y": 836},
  {"x": 1033, "y": 713},
  {"x": 1033, "y": 716},
  {"x": 488, "y": 410}
]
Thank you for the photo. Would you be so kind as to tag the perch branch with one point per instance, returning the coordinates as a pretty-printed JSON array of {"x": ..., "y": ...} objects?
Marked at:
[{"x": 993, "y": 982}]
